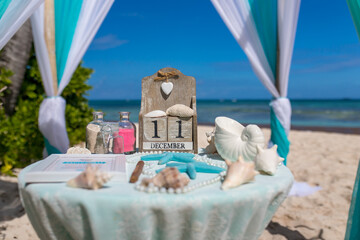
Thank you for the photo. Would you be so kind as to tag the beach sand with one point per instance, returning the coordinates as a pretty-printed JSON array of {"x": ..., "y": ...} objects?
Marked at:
[{"x": 324, "y": 159}]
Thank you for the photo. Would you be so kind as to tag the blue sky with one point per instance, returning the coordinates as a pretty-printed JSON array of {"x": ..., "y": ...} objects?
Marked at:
[{"x": 139, "y": 37}]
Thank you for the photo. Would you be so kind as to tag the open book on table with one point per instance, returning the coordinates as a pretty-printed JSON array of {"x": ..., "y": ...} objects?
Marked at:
[{"x": 62, "y": 167}]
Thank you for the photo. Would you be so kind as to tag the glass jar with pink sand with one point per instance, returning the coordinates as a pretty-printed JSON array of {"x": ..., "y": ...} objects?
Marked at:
[{"x": 127, "y": 130}]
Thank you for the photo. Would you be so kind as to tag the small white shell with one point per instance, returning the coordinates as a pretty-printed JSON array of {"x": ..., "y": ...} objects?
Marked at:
[
  {"x": 238, "y": 173},
  {"x": 78, "y": 150},
  {"x": 211, "y": 140},
  {"x": 155, "y": 113},
  {"x": 267, "y": 160},
  {"x": 180, "y": 110},
  {"x": 91, "y": 178}
]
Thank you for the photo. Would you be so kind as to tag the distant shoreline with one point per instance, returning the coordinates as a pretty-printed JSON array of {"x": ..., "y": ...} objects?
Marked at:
[
  {"x": 245, "y": 100},
  {"x": 346, "y": 130},
  {"x": 317, "y": 115}
]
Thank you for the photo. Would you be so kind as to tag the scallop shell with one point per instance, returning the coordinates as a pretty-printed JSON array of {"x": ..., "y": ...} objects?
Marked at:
[
  {"x": 180, "y": 110},
  {"x": 211, "y": 140},
  {"x": 168, "y": 178},
  {"x": 267, "y": 160},
  {"x": 156, "y": 113},
  {"x": 91, "y": 178},
  {"x": 233, "y": 139},
  {"x": 78, "y": 150},
  {"x": 238, "y": 173}
]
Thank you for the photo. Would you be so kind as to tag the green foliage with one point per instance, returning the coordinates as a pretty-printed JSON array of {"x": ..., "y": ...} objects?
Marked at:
[
  {"x": 4, "y": 82},
  {"x": 21, "y": 142}
]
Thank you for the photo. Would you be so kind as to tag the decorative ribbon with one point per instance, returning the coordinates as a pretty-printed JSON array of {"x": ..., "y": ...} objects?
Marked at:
[{"x": 165, "y": 75}]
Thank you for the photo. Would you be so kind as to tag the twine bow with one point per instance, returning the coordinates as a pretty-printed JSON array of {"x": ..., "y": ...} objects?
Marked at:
[{"x": 165, "y": 75}]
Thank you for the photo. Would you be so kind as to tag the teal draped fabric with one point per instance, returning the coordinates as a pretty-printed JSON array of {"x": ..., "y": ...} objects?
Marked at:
[
  {"x": 354, "y": 7},
  {"x": 265, "y": 16},
  {"x": 50, "y": 148},
  {"x": 3, "y": 6},
  {"x": 353, "y": 224},
  {"x": 66, "y": 17},
  {"x": 278, "y": 136}
]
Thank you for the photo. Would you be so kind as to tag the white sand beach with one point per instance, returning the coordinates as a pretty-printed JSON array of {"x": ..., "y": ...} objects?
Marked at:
[{"x": 324, "y": 159}]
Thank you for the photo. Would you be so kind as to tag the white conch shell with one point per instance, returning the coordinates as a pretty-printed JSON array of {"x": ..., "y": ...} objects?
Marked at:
[
  {"x": 91, "y": 178},
  {"x": 267, "y": 160},
  {"x": 233, "y": 139},
  {"x": 238, "y": 173},
  {"x": 211, "y": 140},
  {"x": 78, "y": 150},
  {"x": 156, "y": 113}
]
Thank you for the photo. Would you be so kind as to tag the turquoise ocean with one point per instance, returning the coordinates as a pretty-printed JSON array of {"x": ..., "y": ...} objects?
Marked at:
[{"x": 305, "y": 113}]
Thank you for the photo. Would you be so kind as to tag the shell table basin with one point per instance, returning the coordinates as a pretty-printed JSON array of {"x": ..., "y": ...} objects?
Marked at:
[{"x": 118, "y": 211}]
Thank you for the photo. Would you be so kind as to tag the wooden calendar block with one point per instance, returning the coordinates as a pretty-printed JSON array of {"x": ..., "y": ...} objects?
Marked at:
[
  {"x": 163, "y": 134},
  {"x": 180, "y": 129},
  {"x": 155, "y": 129}
]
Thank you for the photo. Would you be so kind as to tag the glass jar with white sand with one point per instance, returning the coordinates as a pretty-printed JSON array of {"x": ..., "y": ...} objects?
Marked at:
[{"x": 94, "y": 136}]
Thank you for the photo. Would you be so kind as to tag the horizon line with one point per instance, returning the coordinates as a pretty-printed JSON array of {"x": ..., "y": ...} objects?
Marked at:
[{"x": 241, "y": 99}]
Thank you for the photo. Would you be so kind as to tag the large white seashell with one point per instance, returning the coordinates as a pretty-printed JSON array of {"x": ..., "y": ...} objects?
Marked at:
[
  {"x": 233, "y": 139},
  {"x": 211, "y": 140},
  {"x": 78, "y": 150},
  {"x": 180, "y": 110},
  {"x": 267, "y": 160},
  {"x": 238, "y": 173},
  {"x": 91, "y": 178},
  {"x": 155, "y": 113}
]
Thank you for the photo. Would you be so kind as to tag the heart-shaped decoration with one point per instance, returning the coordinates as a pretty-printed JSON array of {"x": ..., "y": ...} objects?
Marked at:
[{"x": 167, "y": 87}]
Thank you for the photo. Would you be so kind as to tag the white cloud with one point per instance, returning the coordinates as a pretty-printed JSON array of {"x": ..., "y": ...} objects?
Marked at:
[{"x": 107, "y": 42}]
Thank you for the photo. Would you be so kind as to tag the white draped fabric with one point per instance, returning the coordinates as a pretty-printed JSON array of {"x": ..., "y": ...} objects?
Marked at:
[
  {"x": 91, "y": 16},
  {"x": 288, "y": 13},
  {"x": 237, "y": 16},
  {"x": 17, "y": 12},
  {"x": 52, "y": 110},
  {"x": 282, "y": 109}
]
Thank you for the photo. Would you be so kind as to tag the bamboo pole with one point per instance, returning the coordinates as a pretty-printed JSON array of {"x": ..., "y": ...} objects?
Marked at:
[{"x": 49, "y": 32}]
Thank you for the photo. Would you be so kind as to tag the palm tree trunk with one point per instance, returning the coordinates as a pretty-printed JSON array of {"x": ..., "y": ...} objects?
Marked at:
[{"x": 15, "y": 56}]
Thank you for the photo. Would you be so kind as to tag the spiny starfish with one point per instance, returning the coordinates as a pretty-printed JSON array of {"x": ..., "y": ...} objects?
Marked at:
[
  {"x": 170, "y": 156},
  {"x": 193, "y": 167}
]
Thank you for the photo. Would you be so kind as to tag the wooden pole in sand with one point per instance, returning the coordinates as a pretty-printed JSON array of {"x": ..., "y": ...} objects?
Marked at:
[{"x": 49, "y": 32}]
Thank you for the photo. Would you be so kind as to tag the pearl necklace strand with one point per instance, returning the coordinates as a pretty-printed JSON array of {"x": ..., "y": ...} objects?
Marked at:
[
  {"x": 154, "y": 189},
  {"x": 149, "y": 165},
  {"x": 149, "y": 171}
]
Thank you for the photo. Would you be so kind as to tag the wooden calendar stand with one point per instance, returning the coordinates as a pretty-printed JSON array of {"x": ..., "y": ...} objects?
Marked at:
[{"x": 168, "y": 133}]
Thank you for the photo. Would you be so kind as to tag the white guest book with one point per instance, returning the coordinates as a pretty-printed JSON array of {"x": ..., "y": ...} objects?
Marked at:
[{"x": 62, "y": 167}]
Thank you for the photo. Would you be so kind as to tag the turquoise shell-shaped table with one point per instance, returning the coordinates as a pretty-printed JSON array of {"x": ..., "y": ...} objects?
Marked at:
[{"x": 118, "y": 211}]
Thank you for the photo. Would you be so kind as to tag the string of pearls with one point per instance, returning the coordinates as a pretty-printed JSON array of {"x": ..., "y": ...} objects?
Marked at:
[
  {"x": 134, "y": 158},
  {"x": 209, "y": 161},
  {"x": 149, "y": 166},
  {"x": 154, "y": 189},
  {"x": 149, "y": 171}
]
